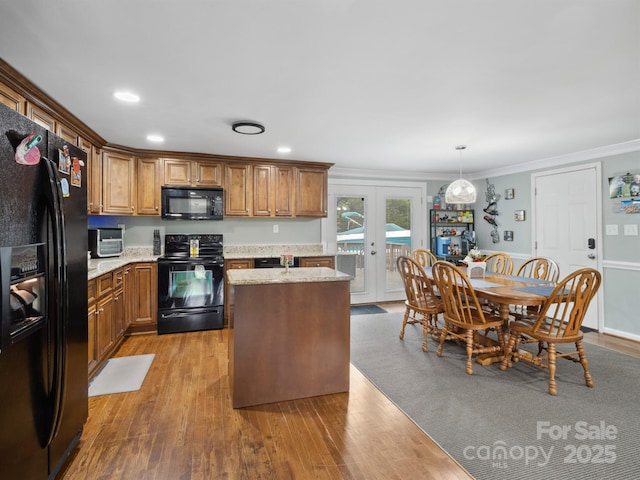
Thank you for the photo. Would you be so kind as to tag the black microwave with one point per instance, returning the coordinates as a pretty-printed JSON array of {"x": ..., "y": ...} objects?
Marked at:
[{"x": 192, "y": 203}]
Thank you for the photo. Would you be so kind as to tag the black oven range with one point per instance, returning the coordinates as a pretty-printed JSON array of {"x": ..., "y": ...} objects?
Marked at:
[{"x": 191, "y": 283}]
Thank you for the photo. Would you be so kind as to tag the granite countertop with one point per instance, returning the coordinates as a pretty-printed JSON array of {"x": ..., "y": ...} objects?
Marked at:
[
  {"x": 253, "y": 251},
  {"x": 263, "y": 276},
  {"x": 100, "y": 266}
]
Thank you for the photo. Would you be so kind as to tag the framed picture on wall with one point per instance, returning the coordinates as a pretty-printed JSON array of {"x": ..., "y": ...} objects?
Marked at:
[{"x": 519, "y": 216}]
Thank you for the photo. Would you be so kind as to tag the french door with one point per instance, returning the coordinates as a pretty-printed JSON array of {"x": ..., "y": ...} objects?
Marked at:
[
  {"x": 566, "y": 223},
  {"x": 370, "y": 227}
]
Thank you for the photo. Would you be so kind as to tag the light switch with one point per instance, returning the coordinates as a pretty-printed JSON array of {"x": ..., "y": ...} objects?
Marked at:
[
  {"x": 631, "y": 230},
  {"x": 612, "y": 230},
  {"x": 276, "y": 229}
]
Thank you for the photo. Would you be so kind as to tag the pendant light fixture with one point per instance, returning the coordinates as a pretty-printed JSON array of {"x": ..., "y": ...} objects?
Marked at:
[{"x": 461, "y": 190}]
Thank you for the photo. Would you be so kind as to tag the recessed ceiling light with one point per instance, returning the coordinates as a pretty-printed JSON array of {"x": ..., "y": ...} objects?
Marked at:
[
  {"x": 127, "y": 96},
  {"x": 248, "y": 128},
  {"x": 284, "y": 149},
  {"x": 155, "y": 138}
]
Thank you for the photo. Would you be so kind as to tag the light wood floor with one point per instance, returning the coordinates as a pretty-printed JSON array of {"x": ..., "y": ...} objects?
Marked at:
[{"x": 180, "y": 425}]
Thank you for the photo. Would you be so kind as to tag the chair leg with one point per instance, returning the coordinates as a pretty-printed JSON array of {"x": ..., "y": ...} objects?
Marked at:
[
  {"x": 585, "y": 365},
  {"x": 404, "y": 322},
  {"x": 443, "y": 335},
  {"x": 425, "y": 333},
  {"x": 469, "y": 338},
  {"x": 551, "y": 350}
]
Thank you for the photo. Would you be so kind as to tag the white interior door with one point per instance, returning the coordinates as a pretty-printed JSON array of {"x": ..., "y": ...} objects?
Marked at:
[
  {"x": 566, "y": 223},
  {"x": 372, "y": 226}
]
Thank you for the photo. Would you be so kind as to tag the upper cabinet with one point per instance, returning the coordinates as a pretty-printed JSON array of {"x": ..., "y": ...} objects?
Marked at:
[
  {"x": 312, "y": 186},
  {"x": 238, "y": 191},
  {"x": 148, "y": 183},
  {"x": 273, "y": 188},
  {"x": 194, "y": 173},
  {"x": 118, "y": 183},
  {"x": 12, "y": 99},
  {"x": 47, "y": 121}
]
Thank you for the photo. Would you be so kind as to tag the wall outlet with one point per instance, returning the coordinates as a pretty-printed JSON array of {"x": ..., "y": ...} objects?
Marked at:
[
  {"x": 276, "y": 229},
  {"x": 631, "y": 230}
]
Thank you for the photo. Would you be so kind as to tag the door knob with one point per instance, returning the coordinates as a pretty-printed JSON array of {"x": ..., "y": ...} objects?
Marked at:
[
  {"x": 591, "y": 255},
  {"x": 373, "y": 252}
]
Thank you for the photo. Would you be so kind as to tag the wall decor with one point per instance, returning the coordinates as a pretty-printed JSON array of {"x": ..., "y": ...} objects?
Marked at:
[
  {"x": 626, "y": 185},
  {"x": 519, "y": 216},
  {"x": 630, "y": 206},
  {"x": 509, "y": 194},
  {"x": 508, "y": 235},
  {"x": 491, "y": 211}
]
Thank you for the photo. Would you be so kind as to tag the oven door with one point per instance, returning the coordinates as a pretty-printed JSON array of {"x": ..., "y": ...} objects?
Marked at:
[{"x": 190, "y": 295}]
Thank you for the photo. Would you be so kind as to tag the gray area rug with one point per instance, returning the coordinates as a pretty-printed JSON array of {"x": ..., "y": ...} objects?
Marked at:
[
  {"x": 121, "y": 374},
  {"x": 504, "y": 425},
  {"x": 366, "y": 309}
]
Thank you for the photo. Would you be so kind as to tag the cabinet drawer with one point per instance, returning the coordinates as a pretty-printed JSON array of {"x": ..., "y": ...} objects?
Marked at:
[
  {"x": 118, "y": 278},
  {"x": 328, "y": 262},
  {"x": 104, "y": 285},
  {"x": 239, "y": 263}
]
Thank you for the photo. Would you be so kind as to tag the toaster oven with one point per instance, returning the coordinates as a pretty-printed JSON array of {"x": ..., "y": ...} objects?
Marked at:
[{"x": 106, "y": 242}]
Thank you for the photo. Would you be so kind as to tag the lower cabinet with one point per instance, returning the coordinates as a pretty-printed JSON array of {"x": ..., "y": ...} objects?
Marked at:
[
  {"x": 144, "y": 317},
  {"x": 329, "y": 262},
  {"x": 120, "y": 303}
]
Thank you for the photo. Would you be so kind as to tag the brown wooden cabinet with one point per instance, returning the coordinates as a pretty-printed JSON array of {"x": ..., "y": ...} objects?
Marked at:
[
  {"x": 145, "y": 297},
  {"x": 91, "y": 326},
  {"x": 12, "y": 99},
  {"x": 118, "y": 183},
  {"x": 238, "y": 190},
  {"x": 195, "y": 173},
  {"x": 328, "y": 261},
  {"x": 312, "y": 187},
  {"x": 119, "y": 305},
  {"x": 48, "y": 121},
  {"x": 148, "y": 183},
  {"x": 129, "y": 295},
  {"x": 273, "y": 188}
]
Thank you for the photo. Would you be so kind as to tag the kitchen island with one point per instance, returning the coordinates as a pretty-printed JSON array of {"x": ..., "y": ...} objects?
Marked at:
[{"x": 289, "y": 334}]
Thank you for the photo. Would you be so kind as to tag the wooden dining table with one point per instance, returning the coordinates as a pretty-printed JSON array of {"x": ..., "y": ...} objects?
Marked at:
[{"x": 505, "y": 291}]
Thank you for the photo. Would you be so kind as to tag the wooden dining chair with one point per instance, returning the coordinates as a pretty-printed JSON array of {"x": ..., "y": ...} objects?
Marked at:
[
  {"x": 463, "y": 315},
  {"x": 499, "y": 263},
  {"x": 422, "y": 305},
  {"x": 558, "y": 322},
  {"x": 539, "y": 268},
  {"x": 424, "y": 257}
]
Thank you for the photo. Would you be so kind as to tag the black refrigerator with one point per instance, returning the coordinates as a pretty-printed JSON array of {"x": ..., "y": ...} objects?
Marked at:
[{"x": 43, "y": 299}]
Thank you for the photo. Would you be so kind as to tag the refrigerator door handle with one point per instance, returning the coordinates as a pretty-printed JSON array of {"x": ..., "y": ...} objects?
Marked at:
[{"x": 53, "y": 193}]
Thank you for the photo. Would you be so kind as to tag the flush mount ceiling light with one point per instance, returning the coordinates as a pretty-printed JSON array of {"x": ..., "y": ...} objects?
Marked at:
[
  {"x": 127, "y": 96},
  {"x": 461, "y": 190},
  {"x": 155, "y": 138},
  {"x": 248, "y": 128}
]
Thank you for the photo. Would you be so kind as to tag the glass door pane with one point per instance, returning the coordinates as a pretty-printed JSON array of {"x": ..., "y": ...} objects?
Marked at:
[
  {"x": 398, "y": 239},
  {"x": 351, "y": 236}
]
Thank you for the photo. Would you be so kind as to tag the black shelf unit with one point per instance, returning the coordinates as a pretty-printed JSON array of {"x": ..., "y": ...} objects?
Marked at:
[{"x": 447, "y": 231}]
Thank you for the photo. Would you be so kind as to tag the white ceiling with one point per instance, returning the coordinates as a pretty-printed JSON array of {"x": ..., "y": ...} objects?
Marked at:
[{"x": 364, "y": 84}]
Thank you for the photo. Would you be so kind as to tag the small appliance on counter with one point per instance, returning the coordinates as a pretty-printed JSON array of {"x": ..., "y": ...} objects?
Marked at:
[{"x": 106, "y": 242}]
